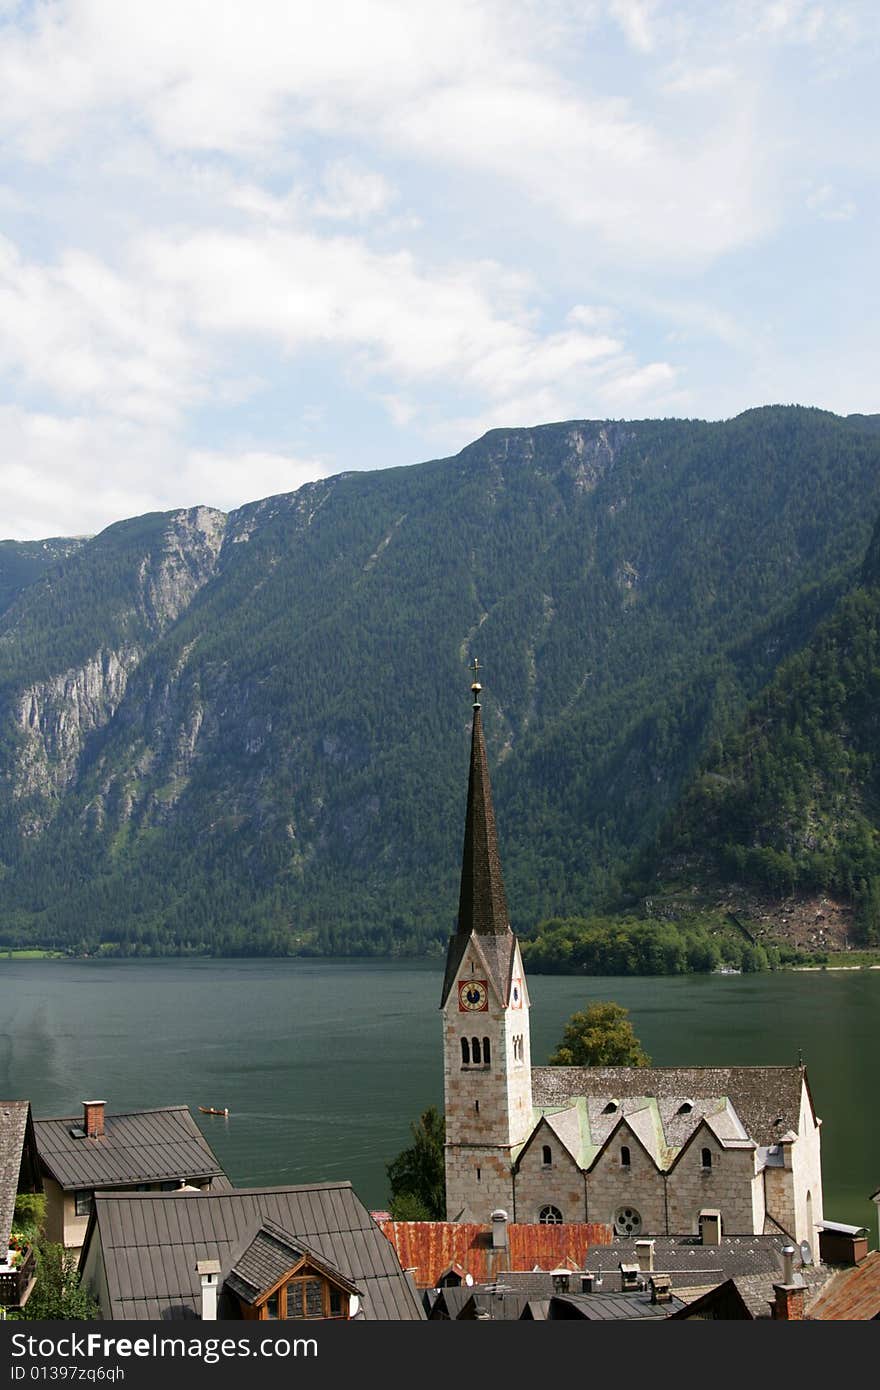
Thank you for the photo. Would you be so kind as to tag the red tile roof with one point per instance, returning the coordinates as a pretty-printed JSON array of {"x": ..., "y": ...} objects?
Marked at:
[
  {"x": 430, "y": 1248},
  {"x": 853, "y": 1295}
]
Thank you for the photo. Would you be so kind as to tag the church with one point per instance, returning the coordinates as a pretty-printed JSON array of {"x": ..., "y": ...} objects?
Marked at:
[{"x": 712, "y": 1151}]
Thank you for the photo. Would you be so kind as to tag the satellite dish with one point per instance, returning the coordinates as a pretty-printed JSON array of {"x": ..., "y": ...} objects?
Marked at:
[
  {"x": 806, "y": 1253},
  {"x": 469, "y": 1279}
]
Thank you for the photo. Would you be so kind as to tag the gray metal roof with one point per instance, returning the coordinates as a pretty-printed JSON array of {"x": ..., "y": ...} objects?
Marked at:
[
  {"x": 143, "y": 1146},
  {"x": 614, "y": 1307},
  {"x": 689, "y": 1262},
  {"x": 152, "y": 1240},
  {"x": 766, "y": 1099},
  {"x": 13, "y": 1127}
]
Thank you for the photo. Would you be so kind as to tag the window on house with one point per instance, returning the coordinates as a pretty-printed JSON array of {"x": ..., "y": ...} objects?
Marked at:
[
  {"x": 487, "y": 1056},
  {"x": 475, "y": 1050},
  {"x": 550, "y": 1216},
  {"x": 476, "y": 1107},
  {"x": 82, "y": 1201},
  {"x": 624, "y": 1155},
  {"x": 547, "y": 1156},
  {"x": 706, "y": 1156},
  {"x": 305, "y": 1298},
  {"x": 478, "y": 1175},
  {"x": 465, "y": 1052},
  {"x": 305, "y": 1295}
]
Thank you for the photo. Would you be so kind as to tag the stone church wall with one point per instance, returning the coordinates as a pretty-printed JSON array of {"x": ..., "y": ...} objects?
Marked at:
[
  {"x": 612, "y": 1186},
  {"x": 725, "y": 1186},
  {"x": 559, "y": 1184}
]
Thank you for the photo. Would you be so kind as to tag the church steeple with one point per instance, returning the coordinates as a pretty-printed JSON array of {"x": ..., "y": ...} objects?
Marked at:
[{"x": 482, "y": 906}]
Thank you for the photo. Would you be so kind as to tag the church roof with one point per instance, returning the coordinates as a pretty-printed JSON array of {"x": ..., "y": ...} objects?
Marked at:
[
  {"x": 482, "y": 905},
  {"x": 765, "y": 1101}
]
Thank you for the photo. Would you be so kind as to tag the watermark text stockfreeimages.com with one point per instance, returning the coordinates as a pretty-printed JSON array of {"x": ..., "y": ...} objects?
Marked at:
[{"x": 97, "y": 1345}]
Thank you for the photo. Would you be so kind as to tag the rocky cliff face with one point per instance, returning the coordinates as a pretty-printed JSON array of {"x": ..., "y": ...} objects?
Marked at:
[{"x": 55, "y": 718}]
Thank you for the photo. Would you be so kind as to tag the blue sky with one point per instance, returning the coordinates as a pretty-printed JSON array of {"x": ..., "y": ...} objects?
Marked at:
[{"x": 245, "y": 245}]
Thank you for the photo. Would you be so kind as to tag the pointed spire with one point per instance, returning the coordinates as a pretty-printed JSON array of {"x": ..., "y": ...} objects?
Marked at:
[{"x": 482, "y": 906}]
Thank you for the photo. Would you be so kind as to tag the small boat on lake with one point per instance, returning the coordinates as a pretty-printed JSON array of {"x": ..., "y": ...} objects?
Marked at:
[{"x": 210, "y": 1110}]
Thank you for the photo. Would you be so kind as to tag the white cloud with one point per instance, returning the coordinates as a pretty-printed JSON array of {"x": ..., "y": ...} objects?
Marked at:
[
  {"x": 92, "y": 336},
  {"x": 828, "y": 204},
  {"x": 460, "y": 85},
  {"x": 75, "y": 475},
  {"x": 350, "y": 193},
  {"x": 635, "y": 19}
]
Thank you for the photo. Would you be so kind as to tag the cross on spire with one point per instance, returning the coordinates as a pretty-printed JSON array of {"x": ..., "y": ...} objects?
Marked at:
[{"x": 476, "y": 687}]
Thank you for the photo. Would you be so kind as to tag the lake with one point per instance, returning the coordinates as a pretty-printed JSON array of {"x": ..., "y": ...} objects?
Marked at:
[{"x": 324, "y": 1064}]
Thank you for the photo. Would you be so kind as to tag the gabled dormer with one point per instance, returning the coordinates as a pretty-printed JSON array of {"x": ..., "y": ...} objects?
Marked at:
[{"x": 277, "y": 1276}]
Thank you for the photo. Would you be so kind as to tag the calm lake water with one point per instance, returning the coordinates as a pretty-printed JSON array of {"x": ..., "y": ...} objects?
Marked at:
[{"x": 324, "y": 1064}]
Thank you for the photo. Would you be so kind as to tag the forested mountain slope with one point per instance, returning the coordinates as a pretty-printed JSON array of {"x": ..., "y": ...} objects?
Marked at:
[
  {"x": 789, "y": 801},
  {"x": 250, "y": 732}
]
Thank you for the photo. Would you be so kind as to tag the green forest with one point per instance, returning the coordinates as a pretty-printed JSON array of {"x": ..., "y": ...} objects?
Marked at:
[{"x": 677, "y": 626}]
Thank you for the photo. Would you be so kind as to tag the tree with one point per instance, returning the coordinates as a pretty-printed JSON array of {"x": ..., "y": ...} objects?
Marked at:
[
  {"x": 417, "y": 1176},
  {"x": 600, "y": 1036},
  {"x": 58, "y": 1293}
]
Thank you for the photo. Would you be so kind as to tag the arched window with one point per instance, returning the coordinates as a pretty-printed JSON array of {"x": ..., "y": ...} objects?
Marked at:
[
  {"x": 475, "y": 1049},
  {"x": 547, "y": 1156},
  {"x": 706, "y": 1156},
  {"x": 550, "y": 1216},
  {"x": 487, "y": 1056},
  {"x": 465, "y": 1052},
  {"x": 627, "y": 1221},
  {"x": 624, "y": 1155}
]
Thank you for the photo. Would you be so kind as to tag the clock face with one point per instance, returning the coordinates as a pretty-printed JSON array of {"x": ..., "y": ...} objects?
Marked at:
[{"x": 473, "y": 996}]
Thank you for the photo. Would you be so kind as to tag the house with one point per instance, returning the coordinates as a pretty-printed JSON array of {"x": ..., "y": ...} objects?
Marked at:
[
  {"x": 448, "y": 1253},
  {"x": 256, "y": 1254},
  {"x": 157, "y": 1150},
  {"x": 19, "y": 1173},
  {"x": 655, "y": 1150}
]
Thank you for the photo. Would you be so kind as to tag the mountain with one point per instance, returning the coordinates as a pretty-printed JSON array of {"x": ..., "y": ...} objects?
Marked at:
[
  {"x": 249, "y": 731},
  {"x": 789, "y": 801},
  {"x": 23, "y": 562}
]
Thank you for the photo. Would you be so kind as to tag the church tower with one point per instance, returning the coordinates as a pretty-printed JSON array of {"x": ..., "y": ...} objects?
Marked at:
[{"x": 487, "y": 1061}]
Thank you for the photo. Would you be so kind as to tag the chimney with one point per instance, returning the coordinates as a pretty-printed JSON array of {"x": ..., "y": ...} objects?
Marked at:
[
  {"x": 499, "y": 1230},
  {"x": 209, "y": 1274},
  {"x": 645, "y": 1255},
  {"x": 661, "y": 1288},
  {"x": 789, "y": 1304},
  {"x": 630, "y": 1276},
  {"x": 710, "y": 1227},
  {"x": 93, "y": 1118}
]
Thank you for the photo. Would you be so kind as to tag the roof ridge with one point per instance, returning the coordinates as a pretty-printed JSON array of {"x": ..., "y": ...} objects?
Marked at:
[{"x": 111, "y": 1114}]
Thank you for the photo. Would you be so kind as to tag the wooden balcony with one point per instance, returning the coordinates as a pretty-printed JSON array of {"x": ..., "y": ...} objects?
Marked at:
[{"x": 15, "y": 1284}]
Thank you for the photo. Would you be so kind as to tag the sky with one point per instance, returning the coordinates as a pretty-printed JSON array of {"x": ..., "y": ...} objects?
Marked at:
[{"x": 245, "y": 244}]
